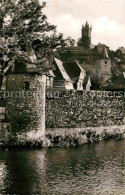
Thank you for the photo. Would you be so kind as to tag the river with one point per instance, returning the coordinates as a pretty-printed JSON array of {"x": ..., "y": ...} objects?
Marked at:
[{"x": 95, "y": 169}]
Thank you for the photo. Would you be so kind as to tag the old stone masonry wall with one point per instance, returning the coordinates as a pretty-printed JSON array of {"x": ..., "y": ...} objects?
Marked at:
[
  {"x": 78, "y": 109},
  {"x": 25, "y": 107}
]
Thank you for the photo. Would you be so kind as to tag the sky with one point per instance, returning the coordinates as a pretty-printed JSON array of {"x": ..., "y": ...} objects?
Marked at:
[{"x": 107, "y": 18}]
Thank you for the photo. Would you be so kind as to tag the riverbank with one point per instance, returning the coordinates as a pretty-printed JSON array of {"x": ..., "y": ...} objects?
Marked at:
[
  {"x": 65, "y": 137},
  {"x": 61, "y": 137}
]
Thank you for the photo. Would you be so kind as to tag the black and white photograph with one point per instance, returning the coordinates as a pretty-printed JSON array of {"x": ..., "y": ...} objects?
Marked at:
[{"x": 62, "y": 97}]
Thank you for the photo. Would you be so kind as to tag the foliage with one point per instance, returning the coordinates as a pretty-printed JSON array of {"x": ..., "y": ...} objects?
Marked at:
[
  {"x": 24, "y": 31},
  {"x": 69, "y": 42},
  {"x": 97, "y": 82}
]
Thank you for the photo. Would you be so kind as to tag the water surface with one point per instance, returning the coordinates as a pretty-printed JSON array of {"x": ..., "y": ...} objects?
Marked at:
[{"x": 91, "y": 169}]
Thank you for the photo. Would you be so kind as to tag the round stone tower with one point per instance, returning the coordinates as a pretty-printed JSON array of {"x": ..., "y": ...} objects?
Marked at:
[{"x": 25, "y": 100}]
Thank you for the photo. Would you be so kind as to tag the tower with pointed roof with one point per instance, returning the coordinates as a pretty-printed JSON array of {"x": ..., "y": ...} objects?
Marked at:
[
  {"x": 104, "y": 65},
  {"x": 86, "y": 36}
]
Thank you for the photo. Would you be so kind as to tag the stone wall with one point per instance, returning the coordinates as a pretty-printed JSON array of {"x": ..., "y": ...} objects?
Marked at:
[
  {"x": 79, "y": 136},
  {"x": 25, "y": 108},
  {"x": 80, "y": 109}
]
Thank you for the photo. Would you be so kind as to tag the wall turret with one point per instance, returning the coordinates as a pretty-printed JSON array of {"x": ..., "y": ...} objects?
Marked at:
[{"x": 25, "y": 100}]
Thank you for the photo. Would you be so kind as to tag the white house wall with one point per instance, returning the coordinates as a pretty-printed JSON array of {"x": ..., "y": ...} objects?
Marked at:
[
  {"x": 81, "y": 80},
  {"x": 68, "y": 85}
]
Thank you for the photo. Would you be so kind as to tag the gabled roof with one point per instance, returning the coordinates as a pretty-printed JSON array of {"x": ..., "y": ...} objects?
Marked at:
[
  {"x": 68, "y": 70},
  {"x": 73, "y": 70},
  {"x": 60, "y": 71},
  {"x": 15, "y": 67},
  {"x": 81, "y": 68}
]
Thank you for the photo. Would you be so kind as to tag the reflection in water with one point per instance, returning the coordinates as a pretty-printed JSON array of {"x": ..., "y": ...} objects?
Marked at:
[
  {"x": 90, "y": 169},
  {"x": 21, "y": 171},
  {"x": 2, "y": 175}
]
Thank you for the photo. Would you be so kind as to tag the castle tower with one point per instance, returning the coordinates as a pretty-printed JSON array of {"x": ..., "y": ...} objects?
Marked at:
[
  {"x": 86, "y": 36},
  {"x": 25, "y": 100},
  {"x": 104, "y": 65}
]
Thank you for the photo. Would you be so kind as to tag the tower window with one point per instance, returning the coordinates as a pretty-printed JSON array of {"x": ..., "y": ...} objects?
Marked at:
[
  {"x": 47, "y": 82},
  {"x": 27, "y": 85},
  {"x": 105, "y": 62}
]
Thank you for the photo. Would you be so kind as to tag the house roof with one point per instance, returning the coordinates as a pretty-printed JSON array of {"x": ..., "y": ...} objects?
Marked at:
[
  {"x": 105, "y": 54},
  {"x": 73, "y": 70},
  {"x": 60, "y": 71},
  {"x": 20, "y": 67},
  {"x": 69, "y": 70}
]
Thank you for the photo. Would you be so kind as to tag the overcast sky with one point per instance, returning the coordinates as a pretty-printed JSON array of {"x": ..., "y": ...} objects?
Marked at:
[{"x": 107, "y": 18}]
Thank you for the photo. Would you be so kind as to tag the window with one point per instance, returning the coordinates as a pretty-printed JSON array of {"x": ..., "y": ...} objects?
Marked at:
[
  {"x": 105, "y": 62},
  {"x": 47, "y": 82},
  {"x": 26, "y": 85}
]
